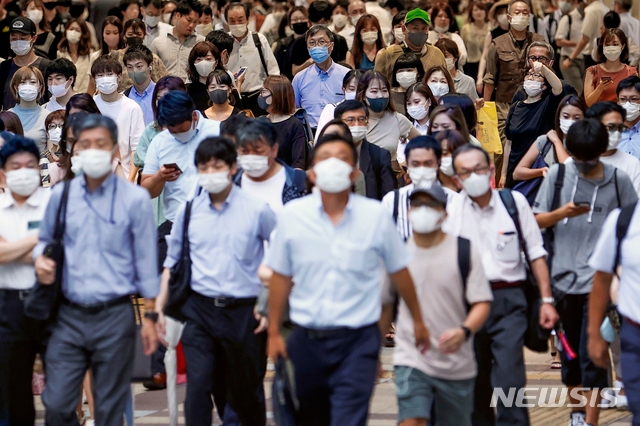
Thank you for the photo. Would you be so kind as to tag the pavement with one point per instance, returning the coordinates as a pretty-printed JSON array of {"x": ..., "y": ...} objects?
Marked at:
[{"x": 151, "y": 407}]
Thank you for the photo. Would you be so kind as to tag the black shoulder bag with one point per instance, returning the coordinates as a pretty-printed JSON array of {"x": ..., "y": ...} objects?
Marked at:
[
  {"x": 180, "y": 280},
  {"x": 43, "y": 301}
]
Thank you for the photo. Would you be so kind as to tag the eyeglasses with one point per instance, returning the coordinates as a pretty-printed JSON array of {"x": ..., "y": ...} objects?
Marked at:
[
  {"x": 617, "y": 127},
  {"x": 322, "y": 43},
  {"x": 351, "y": 121},
  {"x": 532, "y": 76},
  {"x": 633, "y": 100},
  {"x": 542, "y": 59},
  {"x": 53, "y": 126},
  {"x": 479, "y": 170}
]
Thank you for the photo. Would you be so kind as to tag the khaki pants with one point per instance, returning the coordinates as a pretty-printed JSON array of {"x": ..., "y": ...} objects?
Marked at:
[
  {"x": 574, "y": 75},
  {"x": 502, "y": 109}
]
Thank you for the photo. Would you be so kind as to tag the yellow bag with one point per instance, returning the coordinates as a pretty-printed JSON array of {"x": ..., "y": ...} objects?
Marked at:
[{"x": 487, "y": 129}]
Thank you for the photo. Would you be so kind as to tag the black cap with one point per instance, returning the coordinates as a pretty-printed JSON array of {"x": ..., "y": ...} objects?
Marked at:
[
  {"x": 435, "y": 191},
  {"x": 23, "y": 25}
]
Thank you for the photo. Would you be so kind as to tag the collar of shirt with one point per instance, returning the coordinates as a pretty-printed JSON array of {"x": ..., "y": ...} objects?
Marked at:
[
  {"x": 225, "y": 204},
  {"x": 322, "y": 73},
  {"x": 34, "y": 199},
  {"x": 489, "y": 207},
  {"x": 323, "y": 214},
  {"x": 175, "y": 39},
  {"x": 146, "y": 92},
  {"x": 107, "y": 183},
  {"x": 244, "y": 41}
]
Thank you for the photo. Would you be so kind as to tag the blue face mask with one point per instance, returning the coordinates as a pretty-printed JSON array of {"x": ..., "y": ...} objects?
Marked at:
[{"x": 319, "y": 54}]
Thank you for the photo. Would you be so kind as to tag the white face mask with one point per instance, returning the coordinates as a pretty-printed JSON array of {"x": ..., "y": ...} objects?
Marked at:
[
  {"x": 425, "y": 220},
  {"x": 358, "y": 132},
  {"x": 355, "y": 19},
  {"x": 446, "y": 166},
  {"x": 238, "y": 30},
  {"x": 21, "y": 47},
  {"x": 398, "y": 35},
  {"x": 417, "y": 112},
  {"x": 633, "y": 110},
  {"x": 519, "y": 23},
  {"x": 565, "y": 125},
  {"x": 152, "y": 21},
  {"x": 333, "y": 175},
  {"x": 76, "y": 165},
  {"x": 254, "y": 165},
  {"x": 423, "y": 176},
  {"x": 55, "y": 135},
  {"x": 23, "y": 181},
  {"x": 533, "y": 88},
  {"x": 214, "y": 183},
  {"x": 438, "y": 89},
  {"x": 340, "y": 20},
  {"x": 205, "y": 67},
  {"x": 503, "y": 21},
  {"x": 185, "y": 137},
  {"x": 59, "y": 90},
  {"x": 204, "y": 29},
  {"x": 349, "y": 96},
  {"x": 107, "y": 85},
  {"x": 476, "y": 185},
  {"x": 369, "y": 37},
  {"x": 35, "y": 15},
  {"x": 441, "y": 30},
  {"x": 614, "y": 139},
  {"x": 612, "y": 53},
  {"x": 166, "y": 17},
  {"x": 451, "y": 63},
  {"x": 565, "y": 6},
  {"x": 73, "y": 36},
  {"x": 96, "y": 163},
  {"x": 27, "y": 92},
  {"x": 406, "y": 78}
]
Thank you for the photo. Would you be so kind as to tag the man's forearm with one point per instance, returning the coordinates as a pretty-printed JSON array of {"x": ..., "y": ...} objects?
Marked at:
[
  {"x": 488, "y": 91},
  {"x": 386, "y": 317},
  {"x": 404, "y": 284},
  {"x": 477, "y": 316},
  {"x": 579, "y": 47},
  {"x": 11, "y": 251},
  {"x": 541, "y": 272},
  {"x": 547, "y": 220},
  {"x": 163, "y": 296},
  {"x": 599, "y": 300},
  {"x": 279, "y": 290},
  {"x": 153, "y": 184}
]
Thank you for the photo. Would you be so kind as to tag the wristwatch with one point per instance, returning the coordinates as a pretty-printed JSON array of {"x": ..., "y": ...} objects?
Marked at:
[
  {"x": 153, "y": 316},
  {"x": 549, "y": 300},
  {"x": 467, "y": 332}
]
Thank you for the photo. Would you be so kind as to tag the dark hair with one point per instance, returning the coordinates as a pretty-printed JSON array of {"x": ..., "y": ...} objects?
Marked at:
[
  {"x": 600, "y": 109},
  {"x": 333, "y": 137},
  {"x": 632, "y": 82},
  {"x": 443, "y": 70},
  {"x": 198, "y": 51},
  {"x": 185, "y": 7},
  {"x": 468, "y": 148},
  {"x": 466, "y": 105},
  {"x": 116, "y": 22},
  {"x": 124, "y": 4},
  {"x": 397, "y": 4},
  {"x": 318, "y": 29},
  {"x": 218, "y": 148},
  {"x": 16, "y": 144},
  {"x": 426, "y": 142},
  {"x": 221, "y": 40},
  {"x": 346, "y": 133},
  {"x": 364, "y": 83},
  {"x": 358, "y": 44},
  {"x": 96, "y": 121},
  {"x": 350, "y": 75},
  {"x": 611, "y": 20},
  {"x": 446, "y": 45},
  {"x": 138, "y": 51},
  {"x": 70, "y": 123},
  {"x": 230, "y": 126},
  {"x": 155, "y": 3},
  {"x": 134, "y": 25},
  {"x": 587, "y": 139},
  {"x": 577, "y": 102},
  {"x": 105, "y": 64},
  {"x": 55, "y": 115},
  {"x": 407, "y": 60},
  {"x": 425, "y": 91},
  {"x": 454, "y": 113},
  {"x": 84, "y": 102},
  {"x": 175, "y": 108},
  {"x": 350, "y": 105},
  {"x": 398, "y": 18},
  {"x": 453, "y": 137},
  {"x": 442, "y": 7},
  {"x": 282, "y": 95},
  {"x": 62, "y": 66},
  {"x": 607, "y": 36},
  {"x": 234, "y": 5},
  {"x": 255, "y": 131},
  {"x": 207, "y": 11},
  {"x": 479, "y": 5},
  {"x": 167, "y": 82},
  {"x": 319, "y": 10},
  {"x": 43, "y": 25},
  {"x": 84, "y": 45},
  {"x": 624, "y": 4},
  {"x": 340, "y": 3},
  {"x": 11, "y": 122}
]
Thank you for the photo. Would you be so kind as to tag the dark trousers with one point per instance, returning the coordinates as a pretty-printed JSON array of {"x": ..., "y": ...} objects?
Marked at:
[
  {"x": 250, "y": 101},
  {"x": 103, "y": 341},
  {"x": 221, "y": 344},
  {"x": 335, "y": 374},
  {"x": 20, "y": 340},
  {"x": 498, "y": 347},
  {"x": 157, "y": 358},
  {"x": 630, "y": 359}
]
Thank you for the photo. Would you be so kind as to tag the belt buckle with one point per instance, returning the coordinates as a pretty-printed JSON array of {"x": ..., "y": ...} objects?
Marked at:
[
  {"x": 220, "y": 302},
  {"x": 23, "y": 294}
]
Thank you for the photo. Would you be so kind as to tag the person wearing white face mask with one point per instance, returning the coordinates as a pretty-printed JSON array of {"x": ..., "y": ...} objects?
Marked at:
[
  {"x": 76, "y": 46},
  {"x": 205, "y": 23},
  {"x": 367, "y": 42},
  {"x": 407, "y": 71},
  {"x": 52, "y": 157},
  {"x": 152, "y": 17},
  {"x": 203, "y": 59},
  {"x": 443, "y": 17},
  {"x": 45, "y": 44},
  {"x": 419, "y": 104},
  {"x": 22, "y": 207},
  {"x": 125, "y": 112},
  {"x": 354, "y": 243},
  {"x": 568, "y": 35},
  {"x": 60, "y": 78},
  {"x": 113, "y": 224},
  {"x": 480, "y": 216},
  {"x": 462, "y": 83},
  {"x": 530, "y": 118},
  {"x": 27, "y": 85},
  {"x": 629, "y": 98},
  {"x": 224, "y": 221},
  {"x": 455, "y": 300},
  {"x": 340, "y": 22}
]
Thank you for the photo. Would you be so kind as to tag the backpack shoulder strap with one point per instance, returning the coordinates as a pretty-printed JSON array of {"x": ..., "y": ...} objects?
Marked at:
[
  {"x": 615, "y": 181},
  {"x": 622, "y": 227},
  {"x": 464, "y": 261},
  {"x": 61, "y": 216},
  {"x": 396, "y": 203},
  {"x": 558, "y": 187},
  {"x": 510, "y": 204},
  {"x": 258, "y": 43}
]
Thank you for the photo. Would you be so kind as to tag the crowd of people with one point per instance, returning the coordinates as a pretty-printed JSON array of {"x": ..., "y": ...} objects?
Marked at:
[{"x": 290, "y": 180}]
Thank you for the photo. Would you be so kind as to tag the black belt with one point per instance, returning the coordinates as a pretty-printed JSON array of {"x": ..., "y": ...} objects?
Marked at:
[
  {"x": 228, "y": 302},
  {"x": 632, "y": 322},
  {"x": 21, "y": 294},
  {"x": 327, "y": 333},
  {"x": 96, "y": 307},
  {"x": 497, "y": 285}
]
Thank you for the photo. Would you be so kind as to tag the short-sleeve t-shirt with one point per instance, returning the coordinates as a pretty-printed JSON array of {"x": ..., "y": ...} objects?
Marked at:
[{"x": 387, "y": 131}]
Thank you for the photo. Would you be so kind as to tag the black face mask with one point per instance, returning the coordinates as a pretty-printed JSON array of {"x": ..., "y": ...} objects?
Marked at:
[
  {"x": 76, "y": 10},
  {"x": 300, "y": 28},
  {"x": 51, "y": 5},
  {"x": 219, "y": 96},
  {"x": 132, "y": 41}
]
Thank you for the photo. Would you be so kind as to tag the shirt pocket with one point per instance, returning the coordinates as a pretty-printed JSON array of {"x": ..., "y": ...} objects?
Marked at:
[
  {"x": 244, "y": 248},
  {"x": 508, "y": 247},
  {"x": 356, "y": 259}
]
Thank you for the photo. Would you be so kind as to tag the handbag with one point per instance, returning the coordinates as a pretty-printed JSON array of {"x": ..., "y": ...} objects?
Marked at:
[
  {"x": 529, "y": 188},
  {"x": 141, "y": 363},
  {"x": 487, "y": 128},
  {"x": 43, "y": 301},
  {"x": 180, "y": 279}
]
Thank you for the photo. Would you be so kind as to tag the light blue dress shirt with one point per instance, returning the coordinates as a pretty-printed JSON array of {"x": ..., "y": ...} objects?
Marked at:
[
  {"x": 630, "y": 141},
  {"x": 337, "y": 269},
  {"x": 315, "y": 88},
  {"x": 166, "y": 149},
  {"x": 144, "y": 100},
  {"x": 226, "y": 246},
  {"x": 109, "y": 241}
]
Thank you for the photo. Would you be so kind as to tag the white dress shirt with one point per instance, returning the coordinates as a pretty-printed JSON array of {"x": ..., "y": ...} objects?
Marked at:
[
  {"x": 631, "y": 27},
  {"x": 16, "y": 223},
  {"x": 492, "y": 231},
  {"x": 245, "y": 54}
]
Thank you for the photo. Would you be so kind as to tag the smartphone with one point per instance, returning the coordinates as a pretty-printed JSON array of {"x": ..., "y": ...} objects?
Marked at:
[
  {"x": 172, "y": 166},
  {"x": 241, "y": 71},
  {"x": 582, "y": 203},
  {"x": 605, "y": 79}
]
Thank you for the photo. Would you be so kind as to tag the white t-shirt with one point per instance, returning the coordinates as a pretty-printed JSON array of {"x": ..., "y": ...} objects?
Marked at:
[
  {"x": 593, "y": 16},
  {"x": 269, "y": 191},
  {"x": 53, "y": 105},
  {"x": 130, "y": 120},
  {"x": 628, "y": 164}
]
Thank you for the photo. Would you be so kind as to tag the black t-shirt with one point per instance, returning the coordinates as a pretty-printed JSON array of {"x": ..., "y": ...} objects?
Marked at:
[
  {"x": 8, "y": 68},
  {"x": 291, "y": 142},
  {"x": 199, "y": 94},
  {"x": 300, "y": 53},
  {"x": 497, "y": 32},
  {"x": 5, "y": 44}
]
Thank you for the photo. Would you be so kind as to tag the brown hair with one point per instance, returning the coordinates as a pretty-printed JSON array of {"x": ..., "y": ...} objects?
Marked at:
[
  {"x": 481, "y": 6},
  {"x": 447, "y": 76},
  {"x": 454, "y": 113},
  {"x": 282, "y": 97},
  {"x": 425, "y": 91},
  {"x": 454, "y": 140},
  {"x": 573, "y": 100},
  {"x": 23, "y": 74},
  {"x": 11, "y": 122},
  {"x": 356, "y": 49},
  {"x": 84, "y": 45},
  {"x": 116, "y": 22},
  {"x": 442, "y": 7},
  {"x": 43, "y": 25},
  {"x": 446, "y": 45},
  {"x": 55, "y": 115},
  {"x": 198, "y": 51},
  {"x": 608, "y": 36},
  {"x": 364, "y": 83}
]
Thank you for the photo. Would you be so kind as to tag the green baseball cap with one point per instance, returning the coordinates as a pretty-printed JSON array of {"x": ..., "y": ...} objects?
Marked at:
[{"x": 417, "y": 14}]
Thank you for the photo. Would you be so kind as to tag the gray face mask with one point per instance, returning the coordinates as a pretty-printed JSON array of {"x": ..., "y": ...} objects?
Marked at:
[
  {"x": 417, "y": 39},
  {"x": 585, "y": 167},
  {"x": 138, "y": 77}
]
